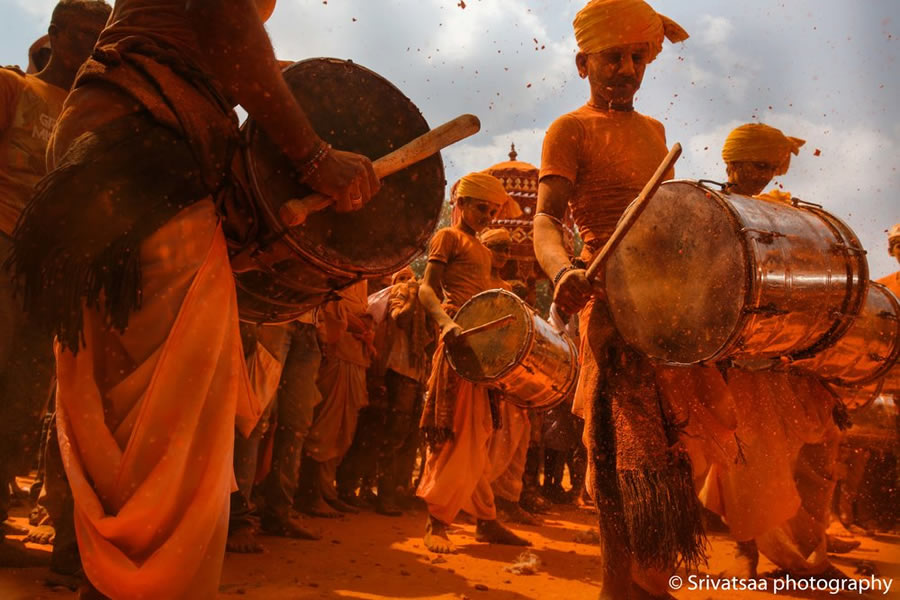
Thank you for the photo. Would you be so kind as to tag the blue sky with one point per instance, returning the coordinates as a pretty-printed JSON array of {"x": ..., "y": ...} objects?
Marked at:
[{"x": 824, "y": 70}]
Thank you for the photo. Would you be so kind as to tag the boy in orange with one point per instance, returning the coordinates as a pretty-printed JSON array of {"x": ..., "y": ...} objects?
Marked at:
[
  {"x": 458, "y": 420},
  {"x": 596, "y": 159},
  {"x": 892, "y": 281}
]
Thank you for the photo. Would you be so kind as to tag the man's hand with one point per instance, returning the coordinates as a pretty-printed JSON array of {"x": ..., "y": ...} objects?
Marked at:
[
  {"x": 347, "y": 177},
  {"x": 573, "y": 291},
  {"x": 450, "y": 333}
]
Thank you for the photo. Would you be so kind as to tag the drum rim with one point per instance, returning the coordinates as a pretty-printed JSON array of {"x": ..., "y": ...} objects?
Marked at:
[
  {"x": 894, "y": 358},
  {"x": 523, "y": 350},
  {"x": 281, "y": 232}
]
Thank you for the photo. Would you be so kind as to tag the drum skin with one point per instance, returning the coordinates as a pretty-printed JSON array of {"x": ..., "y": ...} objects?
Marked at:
[
  {"x": 704, "y": 275},
  {"x": 869, "y": 348},
  {"x": 356, "y": 110},
  {"x": 533, "y": 364}
]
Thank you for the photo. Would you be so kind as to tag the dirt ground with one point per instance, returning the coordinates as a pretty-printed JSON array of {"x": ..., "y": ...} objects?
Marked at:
[{"x": 369, "y": 557}]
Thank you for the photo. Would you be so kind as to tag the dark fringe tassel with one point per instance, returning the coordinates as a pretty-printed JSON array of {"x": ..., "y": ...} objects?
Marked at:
[
  {"x": 663, "y": 516},
  {"x": 841, "y": 416}
]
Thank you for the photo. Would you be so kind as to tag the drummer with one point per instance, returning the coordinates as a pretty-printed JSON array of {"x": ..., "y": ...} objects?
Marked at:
[
  {"x": 778, "y": 498},
  {"x": 141, "y": 142},
  {"x": 597, "y": 159},
  {"x": 459, "y": 419},
  {"x": 509, "y": 444}
]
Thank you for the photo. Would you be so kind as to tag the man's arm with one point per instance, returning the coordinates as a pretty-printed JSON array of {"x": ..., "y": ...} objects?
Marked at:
[
  {"x": 238, "y": 52},
  {"x": 573, "y": 290}
]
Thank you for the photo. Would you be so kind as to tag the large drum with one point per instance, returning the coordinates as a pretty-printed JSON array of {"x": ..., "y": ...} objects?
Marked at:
[
  {"x": 706, "y": 275},
  {"x": 870, "y": 347},
  {"x": 533, "y": 364},
  {"x": 286, "y": 272}
]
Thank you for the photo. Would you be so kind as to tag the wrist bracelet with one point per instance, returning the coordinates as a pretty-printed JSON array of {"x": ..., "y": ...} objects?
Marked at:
[
  {"x": 560, "y": 273},
  {"x": 312, "y": 164}
]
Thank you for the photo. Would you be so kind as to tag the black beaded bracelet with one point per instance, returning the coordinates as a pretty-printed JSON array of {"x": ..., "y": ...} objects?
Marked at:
[
  {"x": 560, "y": 273},
  {"x": 312, "y": 165}
]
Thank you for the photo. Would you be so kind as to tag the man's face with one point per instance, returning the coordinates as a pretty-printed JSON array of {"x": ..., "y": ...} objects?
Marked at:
[
  {"x": 615, "y": 74},
  {"x": 477, "y": 214},
  {"x": 499, "y": 254},
  {"x": 73, "y": 42},
  {"x": 750, "y": 178}
]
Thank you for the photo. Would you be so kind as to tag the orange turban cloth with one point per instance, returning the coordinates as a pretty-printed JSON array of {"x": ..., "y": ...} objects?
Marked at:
[
  {"x": 265, "y": 8},
  {"x": 604, "y": 24},
  {"x": 483, "y": 187},
  {"x": 894, "y": 233},
  {"x": 495, "y": 236},
  {"x": 756, "y": 142}
]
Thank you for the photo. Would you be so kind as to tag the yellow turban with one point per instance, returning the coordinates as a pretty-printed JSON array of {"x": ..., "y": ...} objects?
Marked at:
[
  {"x": 604, "y": 24},
  {"x": 894, "y": 233},
  {"x": 756, "y": 142},
  {"x": 483, "y": 187},
  {"x": 495, "y": 236}
]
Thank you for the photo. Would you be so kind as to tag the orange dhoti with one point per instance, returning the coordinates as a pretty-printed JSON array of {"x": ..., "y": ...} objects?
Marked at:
[
  {"x": 508, "y": 452},
  {"x": 146, "y": 420},
  {"x": 458, "y": 472}
]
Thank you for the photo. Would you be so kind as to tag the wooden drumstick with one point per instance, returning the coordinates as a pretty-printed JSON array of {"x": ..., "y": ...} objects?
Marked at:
[
  {"x": 495, "y": 324},
  {"x": 295, "y": 212},
  {"x": 631, "y": 215}
]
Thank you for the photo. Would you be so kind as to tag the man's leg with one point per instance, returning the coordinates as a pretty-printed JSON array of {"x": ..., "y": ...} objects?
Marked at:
[
  {"x": 298, "y": 396},
  {"x": 402, "y": 395}
]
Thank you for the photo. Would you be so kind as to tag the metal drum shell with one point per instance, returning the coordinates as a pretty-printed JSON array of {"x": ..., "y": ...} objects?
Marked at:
[
  {"x": 533, "y": 364},
  {"x": 869, "y": 348},
  {"x": 741, "y": 278},
  {"x": 357, "y": 110}
]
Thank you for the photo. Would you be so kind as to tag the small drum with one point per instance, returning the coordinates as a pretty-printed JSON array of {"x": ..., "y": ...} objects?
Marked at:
[
  {"x": 532, "y": 363},
  {"x": 284, "y": 273},
  {"x": 869, "y": 348},
  {"x": 706, "y": 275}
]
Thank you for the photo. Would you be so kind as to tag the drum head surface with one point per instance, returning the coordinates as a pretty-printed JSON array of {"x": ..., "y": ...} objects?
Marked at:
[
  {"x": 354, "y": 109},
  {"x": 676, "y": 284},
  {"x": 490, "y": 354}
]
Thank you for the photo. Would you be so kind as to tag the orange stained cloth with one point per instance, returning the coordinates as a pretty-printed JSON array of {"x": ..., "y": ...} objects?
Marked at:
[
  {"x": 608, "y": 156},
  {"x": 343, "y": 387},
  {"x": 482, "y": 187},
  {"x": 457, "y": 474},
  {"x": 604, "y": 24},
  {"x": 28, "y": 109},
  {"x": 892, "y": 282},
  {"x": 508, "y": 451},
  {"x": 146, "y": 421},
  {"x": 758, "y": 142},
  {"x": 468, "y": 265},
  {"x": 334, "y": 322}
]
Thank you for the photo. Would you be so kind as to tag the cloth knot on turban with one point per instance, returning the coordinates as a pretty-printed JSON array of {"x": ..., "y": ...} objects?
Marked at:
[
  {"x": 495, "y": 236},
  {"x": 482, "y": 187},
  {"x": 605, "y": 24},
  {"x": 757, "y": 142}
]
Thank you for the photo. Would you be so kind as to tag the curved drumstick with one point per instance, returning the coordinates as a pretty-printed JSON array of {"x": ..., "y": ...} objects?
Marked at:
[
  {"x": 632, "y": 214},
  {"x": 295, "y": 212},
  {"x": 495, "y": 324}
]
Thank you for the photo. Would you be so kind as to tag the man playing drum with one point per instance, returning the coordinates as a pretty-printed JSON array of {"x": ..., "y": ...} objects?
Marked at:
[
  {"x": 597, "y": 159},
  {"x": 138, "y": 288},
  {"x": 459, "y": 417},
  {"x": 778, "y": 498}
]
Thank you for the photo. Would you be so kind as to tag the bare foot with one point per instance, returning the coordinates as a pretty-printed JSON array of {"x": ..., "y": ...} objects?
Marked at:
[
  {"x": 319, "y": 508},
  {"x": 286, "y": 527},
  {"x": 515, "y": 513},
  {"x": 492, "y": 532},
  {"x": 341, "y": 506},
  {"x": 746, "y": 559},
  {"x": 42, "y": 534},
  {"x": 243, "y": 541},
  {"x": 436, "y": 538}
]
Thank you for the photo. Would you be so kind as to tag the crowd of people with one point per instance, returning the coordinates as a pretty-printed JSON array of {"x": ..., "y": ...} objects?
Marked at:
[{"x": 164, "y": 432}]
